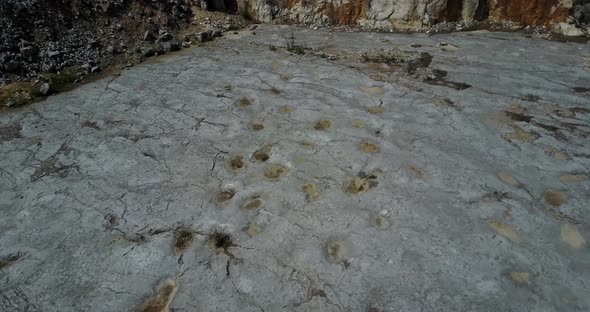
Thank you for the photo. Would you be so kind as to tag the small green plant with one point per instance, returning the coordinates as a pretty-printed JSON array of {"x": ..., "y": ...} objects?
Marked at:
[
  {"x": 19, "y": 93},
  {"x": 60, "y": 81},
  {"x": 297, "y": 50}
]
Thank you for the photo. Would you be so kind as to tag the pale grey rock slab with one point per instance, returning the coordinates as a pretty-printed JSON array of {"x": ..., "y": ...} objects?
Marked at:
[{"x": 93, "y": 182}]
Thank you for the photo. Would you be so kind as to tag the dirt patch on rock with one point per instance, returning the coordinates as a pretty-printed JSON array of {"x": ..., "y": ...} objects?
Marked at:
[
  {"x": 323, "y": 124},
  {"x": 161, "y": 300},
  {"x": 445, "y": 102},
  {"x": 519, "y": 134},
  {"x": 504, "y": 230},
  {"x": 554, "y": 198},
  {"x": 253, "y": 203},
  {"x": 376, "y": 110},
  {"x": 274, "y": 172},
  {"x": 262, "y": 154},
  {"x": 224, "y": 196},
  {"x": 256, "y": 126},
  {"x": 311, "y": 191},
  {"x": 368, "y": 147},
  {"x": 236, "y": 163},
  {"x": 286, "y": 109},
  {"x": 9, "y": 260},
  {"x": 566, "y": 178},
  {"x": 508, "y": 178},
  {"x": 572, "y": 236},
  {"x": 10, "y": 132},
  {"x": 244, "y": 102}
]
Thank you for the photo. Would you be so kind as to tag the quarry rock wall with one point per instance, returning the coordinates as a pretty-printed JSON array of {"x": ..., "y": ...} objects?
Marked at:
[{"x": 408, "y": 14}]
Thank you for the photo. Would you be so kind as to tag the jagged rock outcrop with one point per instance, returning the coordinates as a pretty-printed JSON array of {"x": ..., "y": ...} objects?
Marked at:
[
  {"x": 409, "y": 14},
  {"x": 83, "y": 36},
  {"x": 39, "y": 36}
]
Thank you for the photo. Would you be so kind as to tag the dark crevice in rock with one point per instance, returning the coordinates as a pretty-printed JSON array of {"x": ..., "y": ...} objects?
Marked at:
[
  {"x": 226, "y": 6},
  {"x": 453, "y": 11},
  {"x": 483, "y": 10}
]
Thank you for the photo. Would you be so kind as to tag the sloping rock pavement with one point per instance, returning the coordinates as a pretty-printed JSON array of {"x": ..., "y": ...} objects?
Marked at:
[{"x": 251, "y": 179}]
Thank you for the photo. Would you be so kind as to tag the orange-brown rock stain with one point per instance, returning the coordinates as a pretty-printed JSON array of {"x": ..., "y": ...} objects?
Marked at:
[
  {"x": 347, "y": 13},
  {"x": 525, "y": 12},
  {"x": 528, "y": 12}
]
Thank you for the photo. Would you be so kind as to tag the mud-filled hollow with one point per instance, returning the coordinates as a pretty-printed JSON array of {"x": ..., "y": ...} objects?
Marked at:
[
  {"x": 224, "y": 196},
  {"x": 236, "y": 163},
  {"x": 226, "y": 6}
]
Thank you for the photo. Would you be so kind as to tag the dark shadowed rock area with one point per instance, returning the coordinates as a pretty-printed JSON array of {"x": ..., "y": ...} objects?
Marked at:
[
  {"x": 48, "y": 36},
  {"x": 76, "y": 38}
]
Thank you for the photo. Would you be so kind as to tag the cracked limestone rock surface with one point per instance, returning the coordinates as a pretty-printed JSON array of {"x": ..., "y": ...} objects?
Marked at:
[{"x": 234, "y": 177}]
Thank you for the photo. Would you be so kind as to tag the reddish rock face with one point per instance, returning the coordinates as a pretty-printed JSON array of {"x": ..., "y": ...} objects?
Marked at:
[
  {"x": 346, "y": 13},
  {"x": 337, "y": 13},
  {"x": 342, "y": 12},
  {"x": 528, "y": 12}
]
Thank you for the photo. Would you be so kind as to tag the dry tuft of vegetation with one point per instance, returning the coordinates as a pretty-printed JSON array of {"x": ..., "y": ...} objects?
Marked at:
[
  {"x": 221, "y": 242},
  {"x": 357, "y": 185},
  {"x": 18, "y": 94},
  {"x": 504, "y": 230},
  {"x": 383, "y": 56},
  {"x": 292, "y": 46},
  {"x": 520, "y": 278},
  {"x": 61, "y": 81},
  {"x": 336, "y": 250},
  {"x": 361, "y": 183},
  {"x": 183, "y": 239}
]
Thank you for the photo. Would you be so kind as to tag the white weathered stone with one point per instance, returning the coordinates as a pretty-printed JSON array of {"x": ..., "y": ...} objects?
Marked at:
[{"x": 569, "y": 30}]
